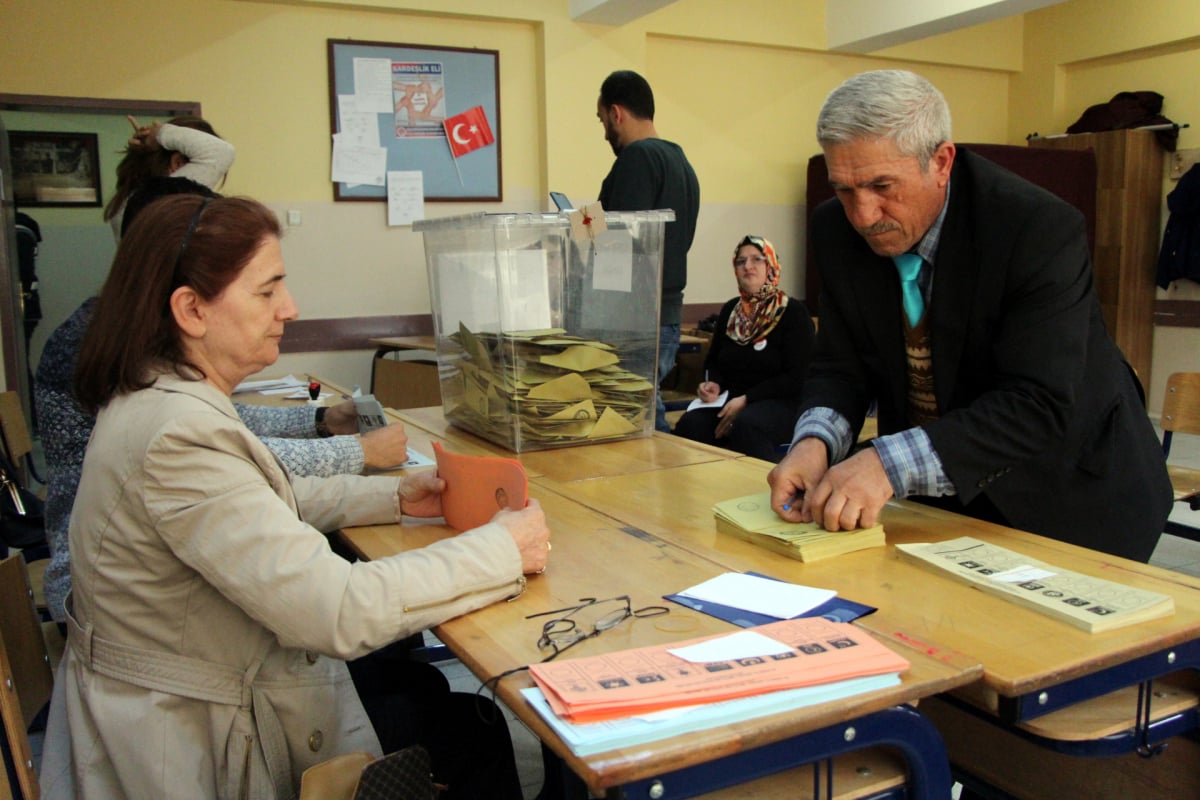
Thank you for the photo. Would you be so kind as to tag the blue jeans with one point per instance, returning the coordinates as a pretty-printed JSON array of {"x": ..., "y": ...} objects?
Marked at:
[{"x": 668, "y": 348}]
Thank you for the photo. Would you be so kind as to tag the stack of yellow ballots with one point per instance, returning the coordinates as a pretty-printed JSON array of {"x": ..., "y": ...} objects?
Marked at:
[
  {"x": 808, "y": 651},
  {"x": 563, "y": 388},
  {"x": 751, "y": 518}
]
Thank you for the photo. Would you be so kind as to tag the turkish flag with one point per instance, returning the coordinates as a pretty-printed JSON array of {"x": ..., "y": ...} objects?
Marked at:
[{"x": 468, "y": 131}]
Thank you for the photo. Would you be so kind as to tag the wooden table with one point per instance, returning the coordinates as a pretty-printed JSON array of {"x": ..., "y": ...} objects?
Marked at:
[
  {"x": 1037, "y": 672},
  {"x": 597, "y": 556},
  {"x": 1043, "y": 681},
  {"x": 1024, "y": 653}
]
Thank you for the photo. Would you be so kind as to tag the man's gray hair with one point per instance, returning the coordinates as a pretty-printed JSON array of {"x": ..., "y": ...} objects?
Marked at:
[{"x": 890, "y": 104}]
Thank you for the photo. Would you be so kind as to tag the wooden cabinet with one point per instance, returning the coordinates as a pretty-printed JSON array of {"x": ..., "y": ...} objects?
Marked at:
[{"x": 1129, "y": 175}]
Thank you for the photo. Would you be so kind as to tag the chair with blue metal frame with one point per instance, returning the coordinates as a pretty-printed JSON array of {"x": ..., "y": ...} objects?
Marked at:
[{"x": 1181, "y": 414}]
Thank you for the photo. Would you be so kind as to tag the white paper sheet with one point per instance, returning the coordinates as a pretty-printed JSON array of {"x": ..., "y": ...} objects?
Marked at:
[
  {"x": 762, "y": 595},
  {"x": 288, "y": 382},
  {"x": 718, "y": 403},
  {"x": 525, "y": 285},
  {"x": 613, "y": 267},
  {"x": 1025, "y": 572},
  {"x": 373, "y": 85},
  {"x": 744, "y": 644},
  {"x": 354, "y": 164},
  {"x": 359, "y": 128},
  {"x": 406, "y": 197}
]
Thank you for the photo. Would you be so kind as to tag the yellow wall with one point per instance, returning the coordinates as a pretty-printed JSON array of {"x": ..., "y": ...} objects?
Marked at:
[
  {"x": 1083, "y": 52},
  {"x": 737, "y": 84}
]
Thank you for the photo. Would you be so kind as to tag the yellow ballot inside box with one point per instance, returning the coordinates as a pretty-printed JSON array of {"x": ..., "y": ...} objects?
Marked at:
[{"x": 547, "y": 328}]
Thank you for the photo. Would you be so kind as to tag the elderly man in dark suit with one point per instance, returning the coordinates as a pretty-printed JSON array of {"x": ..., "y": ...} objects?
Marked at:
[{"x": 960, "y": 298}]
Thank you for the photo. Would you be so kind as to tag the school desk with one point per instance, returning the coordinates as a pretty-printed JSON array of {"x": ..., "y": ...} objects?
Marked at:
[
  {"x": 1044, "y": 681},
  {"x": 595, "y": 555}
]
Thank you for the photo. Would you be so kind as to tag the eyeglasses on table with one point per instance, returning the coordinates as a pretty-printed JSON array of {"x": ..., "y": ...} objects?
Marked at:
[{"x": 564, "y": 631}]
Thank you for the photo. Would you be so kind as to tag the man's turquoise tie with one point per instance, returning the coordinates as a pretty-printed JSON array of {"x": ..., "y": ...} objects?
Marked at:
[{"x": 909, "y": 267}]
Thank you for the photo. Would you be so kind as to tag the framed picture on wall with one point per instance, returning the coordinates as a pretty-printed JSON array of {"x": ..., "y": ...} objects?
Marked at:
[
  {"x": 55, "y": 169},
  {"x": 402, "y": 108}
]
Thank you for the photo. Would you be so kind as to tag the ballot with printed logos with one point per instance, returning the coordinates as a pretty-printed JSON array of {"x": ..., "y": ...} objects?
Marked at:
[{"x": 1084, "y": 601}]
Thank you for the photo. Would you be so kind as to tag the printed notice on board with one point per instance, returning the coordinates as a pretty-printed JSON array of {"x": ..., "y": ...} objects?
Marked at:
[
  {"x": 355, "y": 164},
  {"x": 419, "y": 98},
  {"x": 359, "y": 128},
  {"x": 406, "y": 196},
  {"x": 373, "y": 85}
]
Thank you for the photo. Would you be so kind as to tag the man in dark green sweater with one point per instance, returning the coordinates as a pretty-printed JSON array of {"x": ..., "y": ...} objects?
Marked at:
[{"x": 650, "y": 173}]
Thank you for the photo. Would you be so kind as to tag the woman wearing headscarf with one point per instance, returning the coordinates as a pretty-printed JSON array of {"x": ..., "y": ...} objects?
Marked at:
[{"x": 755, "y": 365}]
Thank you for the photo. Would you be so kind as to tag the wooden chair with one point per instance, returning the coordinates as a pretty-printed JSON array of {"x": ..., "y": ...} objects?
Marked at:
[
  {"x": 25, "y": 678},
  {"x": 16, "y": 439},
  {"x": 18, "y": 446},
  {"x": 1181, "y": 414}
]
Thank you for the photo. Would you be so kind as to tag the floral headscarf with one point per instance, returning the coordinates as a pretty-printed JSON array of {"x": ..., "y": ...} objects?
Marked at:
[{"x": 757, "y": 314}]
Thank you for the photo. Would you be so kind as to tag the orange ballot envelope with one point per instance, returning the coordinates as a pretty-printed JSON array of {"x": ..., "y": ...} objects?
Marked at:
[
  {"x": 479, "y": 486},
  {"x": 796, "y": 652}
]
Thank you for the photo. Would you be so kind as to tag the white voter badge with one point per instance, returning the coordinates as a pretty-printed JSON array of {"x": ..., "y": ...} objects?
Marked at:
[
  {"x": 760, "y": 345},
  {"x": 588, "y": 221}
]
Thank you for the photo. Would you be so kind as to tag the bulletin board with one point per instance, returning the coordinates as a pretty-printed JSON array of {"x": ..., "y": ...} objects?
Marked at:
[{"x": 429, "y": 86}]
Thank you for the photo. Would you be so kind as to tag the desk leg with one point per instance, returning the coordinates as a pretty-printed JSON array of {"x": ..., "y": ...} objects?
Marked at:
[
  {"x": 559, "y": 783},
  {"x": 900, "y": 727},
  {"x": 380, "y": 352}
]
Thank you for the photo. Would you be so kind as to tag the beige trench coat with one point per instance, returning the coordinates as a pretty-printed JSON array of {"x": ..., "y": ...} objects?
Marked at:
[{"x": 209, "y": 612}]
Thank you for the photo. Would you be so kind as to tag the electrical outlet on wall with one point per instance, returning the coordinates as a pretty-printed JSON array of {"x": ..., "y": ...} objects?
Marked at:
[{"x": 1181, "y": 161}]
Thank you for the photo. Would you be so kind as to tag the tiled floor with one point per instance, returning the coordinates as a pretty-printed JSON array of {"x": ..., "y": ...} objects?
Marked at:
[{"x": 1173, "y": 552}]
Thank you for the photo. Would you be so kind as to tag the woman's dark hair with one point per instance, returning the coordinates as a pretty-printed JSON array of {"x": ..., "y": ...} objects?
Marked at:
[
  {"x": 181, "y": 240},
  {"x": 141, "y": 164},
  {"x": 629, "y": 90},
  {"x": 155, "y": 189}
]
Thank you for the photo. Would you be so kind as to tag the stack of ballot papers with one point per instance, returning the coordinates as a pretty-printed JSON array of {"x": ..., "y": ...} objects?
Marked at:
[
  {"x": 783, "y": 655},
  {"x": 596, "y": 737},
  {"x": 751, "y": 518},
  {"x": 1087, "y": 602},
  {"x": 556, "y": 388}
]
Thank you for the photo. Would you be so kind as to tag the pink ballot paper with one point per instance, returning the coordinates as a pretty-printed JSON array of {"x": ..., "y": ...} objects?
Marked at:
[
  {"x": 807, "y": 652},
  {"x": 479, "y": 486}
]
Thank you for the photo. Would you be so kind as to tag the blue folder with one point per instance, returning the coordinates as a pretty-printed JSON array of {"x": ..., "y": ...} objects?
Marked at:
[{"x": 837, "y": 609}]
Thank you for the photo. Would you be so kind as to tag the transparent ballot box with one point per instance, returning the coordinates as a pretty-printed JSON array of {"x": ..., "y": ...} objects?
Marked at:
[{"x": 547, "y": 324}]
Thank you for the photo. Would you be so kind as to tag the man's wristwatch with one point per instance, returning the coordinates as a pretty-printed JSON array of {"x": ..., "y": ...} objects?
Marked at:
[{"x": 322, "y": 427}]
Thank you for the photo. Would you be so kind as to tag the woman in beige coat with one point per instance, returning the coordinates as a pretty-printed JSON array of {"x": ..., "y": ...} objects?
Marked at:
[{"x": 209, "y": 615}]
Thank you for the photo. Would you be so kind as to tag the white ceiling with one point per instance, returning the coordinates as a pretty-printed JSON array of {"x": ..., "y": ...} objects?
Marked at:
[
  {"x": 864, "y": 26},
  {"x": 613, "y": 12},
  {"x": 851, "y": 26}
]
